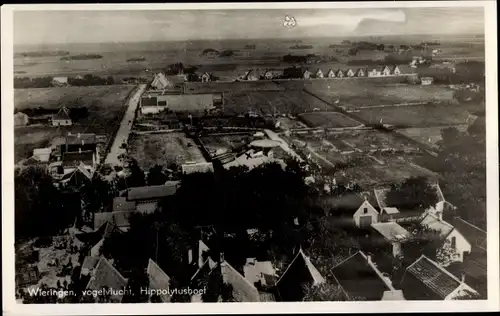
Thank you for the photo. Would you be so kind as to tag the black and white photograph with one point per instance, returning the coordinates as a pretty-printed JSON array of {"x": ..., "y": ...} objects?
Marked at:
[{"x": 268, "y": 154}]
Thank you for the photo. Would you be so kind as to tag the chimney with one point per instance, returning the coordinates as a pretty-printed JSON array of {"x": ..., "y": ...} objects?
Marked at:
[
  {"x": 80, "y": 150},
  {"x": 462, "y": 277}
]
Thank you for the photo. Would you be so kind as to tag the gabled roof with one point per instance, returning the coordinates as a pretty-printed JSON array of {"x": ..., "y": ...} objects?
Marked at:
[
  {"x": 382, "y": 68},
  {"x": 243, "y": 290},
  {"x": 435, "y": 278},
  {"x": 120, "y": 204},
  {"x": 434, "y": 223},
  {"x": 150, "y": 192},
  {"x": 105, "y": 275},
  {"x": 90, "y": 262},
  {"x": 359, "y": 279},
  {"x": 390, "y": 210},
  {"x": 63, "y": 114},
  {"x": 300, "y": 272},
  {"x": 74, "y": 159},
  {"x": 158, "y": 280},
  {"x": 119, "y": 219},
  {"x": 475, "y": 235},
  {"x": 81, "y": 139},
  {"x": 391, "y": 231},
  {"x": 80, "y": 170},
  {"x": 360, "y": 70},
  {"x": 160, "y": 82}
]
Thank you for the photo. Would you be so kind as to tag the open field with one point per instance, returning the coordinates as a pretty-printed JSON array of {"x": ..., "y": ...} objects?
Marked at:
[
  {"x": 104, "y": 103},
  {"x": 266, "y": 102},
  {"x": 163, "y": 149},
  {"x": 234, "y": 87},
  {"x": 430, "y": 115},
  {"x": 352, "y": 94},
  {"x": 328, "y": 120},
  {"x": 428, "y": 135}
]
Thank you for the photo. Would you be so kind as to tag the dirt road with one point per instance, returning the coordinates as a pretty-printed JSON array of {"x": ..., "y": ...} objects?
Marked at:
[{"x": 125, "y": 128}]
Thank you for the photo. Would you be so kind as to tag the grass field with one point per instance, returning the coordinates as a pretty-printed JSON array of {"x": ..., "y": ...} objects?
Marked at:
[
  {"x": 353, "y": 94},
  {"x": 105, "y": 105},
  {"x": 428, "y": 135},
  {"x": 210, "y": 87},
  {"x": 265, "y": 102},
  {"x": 163, "y": 149},
  {"x": 328, "y": 120},
  {"x": 416, "y": 115}
]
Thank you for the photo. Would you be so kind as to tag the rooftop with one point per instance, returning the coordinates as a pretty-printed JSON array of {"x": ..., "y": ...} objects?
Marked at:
[
  {"x": 74, "y": 159},
  {"x": 105, "y": 275},
  {"x": 158, "y": 280},
  {"x": 81, "y": 139},
  {"x": 120, "y": 204},
  {"x": 391, "y": 210},
  {"x": 243, "y": 290},
  {"x": 119, "y": 219},
  {"x": 434, "y": 223},
  {"x": 151, "y": 192},
  {"x": 475, "y": 235},
  {"x": 391, "y": 231}
]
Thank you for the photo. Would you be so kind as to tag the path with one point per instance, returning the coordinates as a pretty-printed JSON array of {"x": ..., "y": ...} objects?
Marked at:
[
  {"x": 283, "y": 144},
  {"x": 125, "y": 128}
]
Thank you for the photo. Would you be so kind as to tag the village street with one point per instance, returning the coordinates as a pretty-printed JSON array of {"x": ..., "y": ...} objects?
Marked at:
[{"x": 125, "y": 128}]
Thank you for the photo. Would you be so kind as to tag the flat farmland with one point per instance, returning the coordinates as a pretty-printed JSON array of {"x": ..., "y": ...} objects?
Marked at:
[
  {"x": 352, "y": 94},
  {"x": 430, "y": 115},
  {"x": 328, "y": 120},
  {"x": 428, "y": 135},
  {"x": 265, "y": 102},
  {"x": 163, "y": 149},
  {"x": 104, "y": 103},
  {"x": 212, "y": 87}
]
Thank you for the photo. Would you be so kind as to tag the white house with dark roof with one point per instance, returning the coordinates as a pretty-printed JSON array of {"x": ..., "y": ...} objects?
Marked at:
[
  {"x": 396, "y": 71},
  {"x": 385, "y": 71},
  {"x": 427, "y": 280},
  {"x": 62, "y": 117},
  {"x": 331, "y": 74},
  {"x": 360, "y": 73},
  {"x": 365, "y": 215},
  {"x": 350, "y": 73},
  {"x": 451, "y": 237}
]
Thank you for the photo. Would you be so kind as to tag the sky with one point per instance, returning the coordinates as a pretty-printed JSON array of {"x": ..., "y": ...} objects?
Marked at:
[{"x": 55, "y": 27}]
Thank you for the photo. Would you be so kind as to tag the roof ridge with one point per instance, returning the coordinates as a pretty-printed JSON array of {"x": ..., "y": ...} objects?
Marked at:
[
  {"x": 341, "y": 262},
  {"x": 470, "y": 224},
  {"x": 115, "y": 270},
  {"x": 286, "y": 270}
]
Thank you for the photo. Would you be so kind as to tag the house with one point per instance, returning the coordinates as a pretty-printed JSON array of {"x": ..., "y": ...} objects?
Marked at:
[
  {"x": 306, "y": 74},
  {"x": 426, "y": 280},
  {"x": 319, "y": 74},
  {"x": 360, "y": 73},
  {"x": 160, "y": 82},
  {"x": 181, "y": 103},
  {"x": 242, "y": 289},
  {"x": 147, "y": 198},
  {"x": 396, "y": 71},
  {"x": 374, "y": 73},
  {"x": 268, "y": 75},
  {"x": 206, "y": 77},
  {"x": 21, "y": 119},
  {"x": 450, "y": 236},
  {"x": 159, "y": 281},
  {"x": 425, "y": 81},
  {"x": 259, "y": 273},
  {"x": 79, "y": 176},
  {"x": 105, "y": 276},
  {"x": 350, "y": 73},
  {"x": 360, "y": 269},
  {"x": 119, "y": 219},
  {"x": 340, "y": 73},
  {"x": 42, "y": 154},
  {"x": 301, "y": 272},
  {"x": 385, "y": 71},
  {"x": 365, "y": 215},
  {"x": 330, "y": 74},
  {"x": 202, "y": 167},
  {"x": 475, "y": 235},
  {"x": 60, "y": 81},
  {"x": 393, "y": 237},
  {"x": 81, "y": 142},
  {"x": 62, "y": 118},
  {"x": 73, "y": 160},
  {"x": 388, "y": 214}
]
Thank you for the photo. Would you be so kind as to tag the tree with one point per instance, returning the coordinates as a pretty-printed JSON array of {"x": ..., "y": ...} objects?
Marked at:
[
  {"x": 413, "y": 194},
  {"x": 156, "y": 176},
  {"x": 325, "y": 292},
  {"x": 446, "y": 254},
  {"x": 450, "y": 135},
  {"x": 136, "y": 177}
]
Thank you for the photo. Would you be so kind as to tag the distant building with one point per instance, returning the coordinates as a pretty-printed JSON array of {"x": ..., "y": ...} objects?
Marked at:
[
  {"x": 385, "y": 71},
  {"x": 340, "y": 73},
  {"x": 350, "y": 73},
  {"x": 393, "y": 237},
  {"x": 21, "y": 119},
  {"x": 360, "y": 269},
  {"x": 145, "y": 198},
  {"x": 396, "y": 71},
  {"x": 374, "y": 73},
  {"x": 206, "y": 77},
  {"x": 80, "y": 142},
  {"x": 62, "y": 118},
  {"x": 425, "y": 81},
  {"x": 268, "y": 75},
  {"x": 331, "y": 74},
  {"x": 365, "y": 216},
  {"x": 360, "y": 73},
  {"x": 306, "y": 74},
  {"x": 426, "y": 280},
  {"x": 60, "y": 81},
  {"x": 73, "y": 160},
  {"x": 160, "y": 82},
  {"x": 301, "y": 272},
  {"x": 319, "y": 74}
]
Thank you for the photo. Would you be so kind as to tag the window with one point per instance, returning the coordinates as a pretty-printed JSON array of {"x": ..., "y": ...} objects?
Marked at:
[
  {"x": 453, "y": 242},
  {"x": 365, "y": 210}
]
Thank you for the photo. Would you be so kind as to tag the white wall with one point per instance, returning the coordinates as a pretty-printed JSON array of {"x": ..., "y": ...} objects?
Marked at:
[
  {"x": 371, "y": 211},
  {"x": 462, "y": 245}
]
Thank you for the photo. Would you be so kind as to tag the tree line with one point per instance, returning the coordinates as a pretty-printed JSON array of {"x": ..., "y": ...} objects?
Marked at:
[{"x": 47, "y": 82}]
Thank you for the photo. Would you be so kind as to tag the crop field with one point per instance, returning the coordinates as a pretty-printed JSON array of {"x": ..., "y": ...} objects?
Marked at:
[
  {"x": 235, "y": 87},
  {"x": 352, "y": 94},
  {"x": 428, "y": 135},
  {"x": 266, "y": 102},
  {"x": 163, "y": 149},
  {"x": 219, "y": 144},
  {"x": 328, "y": 120},
  {"x": 416, "y": 115}
]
